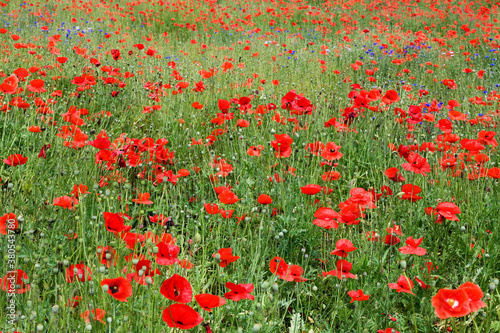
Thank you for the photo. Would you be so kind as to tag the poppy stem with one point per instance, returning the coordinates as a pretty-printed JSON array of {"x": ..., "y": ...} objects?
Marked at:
[{"x": 414, "y": 315}]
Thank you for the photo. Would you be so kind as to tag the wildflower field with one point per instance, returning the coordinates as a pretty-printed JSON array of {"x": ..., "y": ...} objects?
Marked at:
[{"x": 249, "y": 166}]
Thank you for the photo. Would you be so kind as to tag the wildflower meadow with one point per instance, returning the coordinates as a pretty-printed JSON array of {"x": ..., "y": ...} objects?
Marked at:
[{"x": 249, "y": 166}]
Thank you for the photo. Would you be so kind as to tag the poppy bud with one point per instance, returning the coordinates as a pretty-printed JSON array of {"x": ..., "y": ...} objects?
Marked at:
[
  {"x": 105, "y": 288},
  {"x": 217, "y": 257},
  {"x": 315, "y": 289},
  {"x": 197, "y": 238},
  {"x": 29, "y": 304},
  {"x": 88, "y": 327},
  {"x": 155, "y": 249},
  {"x": 135, "y": 261},
  {"x": 257, "y": 327},
  {"x": 149, "y": 280},
  {"x": 492, "y": 286},
  {"x": 495, "y": 281},
  {"x": 265, "y": 285},
  {"x": 275, "y": 287},
  {"x": 402, "y": 264},
  {"x": 55, "y": 308}
]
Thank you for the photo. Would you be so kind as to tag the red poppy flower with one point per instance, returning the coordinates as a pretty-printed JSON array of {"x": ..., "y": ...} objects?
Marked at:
[
  {"x": 448, "y": 211},
  {"x": 412, "y": 247},
  {"x": 451, "y": 303},
  {"x": 404, "y": 285},
  {"x": 186, "y": 264},
  {"x": 349, "y": 213},
  {"x": 167, "y": 254},
  {"x": 119, "y": 288},
  {"x": 181, "y": 316},
  {"x": 294, "y": 274},
  {"x": 8, "y": 223},
  {"x": 391, "y": 96},
  {"x": 417, "y": 164},
  {"x": 115, "y": 223},
  {"x": 66, "y": 202},
  {"x": 311, "y": 189},
  {"x": 391, "y": 240},
  {"x": 78, "y": 272},
  {"x": 95, "y": 314},
  {"x": 325, "y": 218},
  {"x": 34, "y": 129},
  {"x": 227, "y": 197},
  {"x": 487, "y": 138},
  {"x": 15, "y": 282},
  {"x": 395, "y": 229},
  {"x": 255, "y": 150},
  {"x": 143, "y": 199},
  {"x": 343, "y": 270},
  {"x": 388, "y": 330},
  {"x": 357, "y": 295},
  {"x": 264, "y": 199},
  {"x": 360, "y": 197},
  {"x": 226, "y": 257},
  {"x": 100, "y": 143},
  {"x": 227, "y": 214},
  {"x": 279, "y": 267},
  {"x": 239, "y": 291},
  {"x": 282, "y": 145},
  {"x": 475, "y": 294},
  {"x": 471, "y": 145},
  {"x": 315, "y": 148},
  {"x": 79, "y": 189},
  {"x": 36, "y": 86},
  {"x": 177, "y": 289},
  {"x": 410, "y": 192},
  {"x": 394, "y": 175},
  {"x": 10, "y": 85},
  {"x": 331, "y": 175},
  {"x": 132, "y": 238},
  {"x": 15, "y": 160},
  {"x": 494, "y": 173},
  {"x": 342, "y": 247},
  {"x": 212, "y": 209},
  {"x": 208, "y": 302},
  {"x": 386, "y": 190},
  {"x": 421, "y": 283},
  {"x": 331, "y": 152}
]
